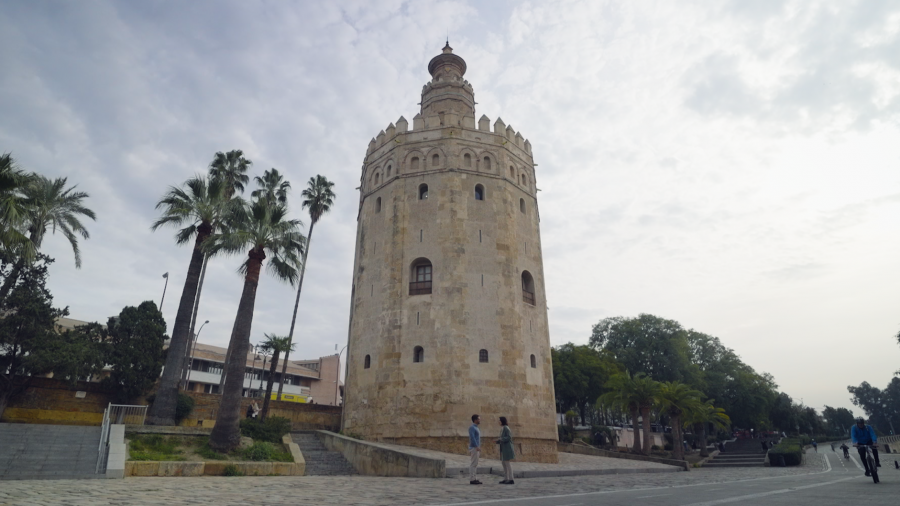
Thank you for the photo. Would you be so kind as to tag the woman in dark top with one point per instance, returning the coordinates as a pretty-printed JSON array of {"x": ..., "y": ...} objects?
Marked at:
[{"x": 506, "y": 451}]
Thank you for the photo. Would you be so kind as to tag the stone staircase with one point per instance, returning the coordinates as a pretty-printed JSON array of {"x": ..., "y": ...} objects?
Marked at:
[
  {"x": 320, "y": 461},
  {"x": 740, "y": 453},
  {"x": 49, "y": 452}
]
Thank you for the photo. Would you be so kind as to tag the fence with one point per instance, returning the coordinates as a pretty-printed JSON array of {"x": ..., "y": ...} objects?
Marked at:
[{"x": 118, "y": 414}]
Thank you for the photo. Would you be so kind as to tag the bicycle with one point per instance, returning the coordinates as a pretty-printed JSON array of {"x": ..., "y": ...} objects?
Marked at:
[{"x": 870, "y": 460}]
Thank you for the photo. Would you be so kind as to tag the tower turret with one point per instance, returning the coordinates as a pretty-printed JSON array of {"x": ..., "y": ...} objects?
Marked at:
[{"x": 448, "y": 91}]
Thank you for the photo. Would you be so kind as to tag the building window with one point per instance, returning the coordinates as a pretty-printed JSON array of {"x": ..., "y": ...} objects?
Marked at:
[
  {"x": 418, "y": 354},
  {"x": 479, "y": 192},
  {"x": 483, "y": 356},
  {"x": 420, "y": 283},
  {"x": 467, "y": 160},
  {"x": 414, "y": 163},
  {"x": 527, "y": 288},
  {"x": 435, "y": 160},
  {"x": 487, "y": 163},
  {"x": 533, "y": 362},
  {"x": 386, "y": 177},
  {"x": 524, "y": 180},
  {"x": 512, "y": 173},
  {"x": 368, "y": 362},
  {"x": 522, "y": 206},
  {"x": 378, "y": 205},
  {"x": 423, "y": 191},
  {"x": 377, "y": 179}
]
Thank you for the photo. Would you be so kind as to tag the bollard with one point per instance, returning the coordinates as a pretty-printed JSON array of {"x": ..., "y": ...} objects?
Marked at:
[{"x": 896, "y": 465}]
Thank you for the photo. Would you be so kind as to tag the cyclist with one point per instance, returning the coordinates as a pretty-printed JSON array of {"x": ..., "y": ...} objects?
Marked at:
[
  {"x": 862, "y": 434},
  {"x": 815, "y": 445},
  {"x": 846, "y": 450}
]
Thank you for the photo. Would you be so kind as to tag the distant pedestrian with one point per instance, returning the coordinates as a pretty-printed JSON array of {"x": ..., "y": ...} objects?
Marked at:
[
  {"x": 815, "y": 445},
  {"x": 765, "y": 446},
  {"x": 249, "y": 411},
  {"x": 506, "y": 452},
  {"x": 474, "y": 450},
  {"x": 256, "y": 409}
]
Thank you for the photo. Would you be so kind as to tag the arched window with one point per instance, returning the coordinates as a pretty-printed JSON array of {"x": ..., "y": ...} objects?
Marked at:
[
  {"x": 378, "y": 205},
  {"x": 487, "y": 163},
  {"x": 418, "y": 354},
  {"x": 388, "y": 173},
  {"x": 533, "y": 362},
  {"x": 479, "y": 192},
  {"x": 435, "y": 160},
  {"x": 423, "y": 191},
  {"x": 524, "y": 180},
  {"x": 522, "y": 205},
  {"x": 377, "y": 178},
  {"x": 527, "y": 288},
  {"x": 483, "y": 356},
  {"x": 467, "y": 160},
  {"x": 512, "y": 173},
  {"x": 414, "y": 164},
  {"x": 420, "y": 277},
  {"x": 368, "y": 362}
]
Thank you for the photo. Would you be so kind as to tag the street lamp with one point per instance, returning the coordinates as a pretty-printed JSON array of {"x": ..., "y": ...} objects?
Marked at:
[
  {"x": 193, "y": 349},
  {"x": 166, "y": 275},
  {"x": 337, "y": 378}
]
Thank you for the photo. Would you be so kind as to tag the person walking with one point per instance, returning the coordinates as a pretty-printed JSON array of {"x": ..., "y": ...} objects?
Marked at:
[
  {"x": 506, "y": 452},
  {"x": 474, "y": 449},
  {"x": 815, "y": 446}
]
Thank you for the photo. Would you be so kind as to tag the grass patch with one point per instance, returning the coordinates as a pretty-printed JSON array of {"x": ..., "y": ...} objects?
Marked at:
[
  {"x": 156, "y": 447},
  {"x": 231, "y": 470}
]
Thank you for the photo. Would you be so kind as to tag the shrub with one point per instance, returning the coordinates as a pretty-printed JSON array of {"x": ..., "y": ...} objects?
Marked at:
[
  {"x": 566, "y": 433},
  {"x": 183, "y": 407},
  {"x": 259, "y": 451},
  {"x": 654, "y": 448},
  {"x": 790, "y": 449},
  {"x": 272, "y": 430},
  {"x": 153, "y": 447},
  {"x": 231, "y": 470},
  {"x": 208, "y": 453}
]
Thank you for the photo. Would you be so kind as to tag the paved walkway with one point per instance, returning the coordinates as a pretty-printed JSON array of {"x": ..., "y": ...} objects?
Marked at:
[{"x": 30, "y": 451}]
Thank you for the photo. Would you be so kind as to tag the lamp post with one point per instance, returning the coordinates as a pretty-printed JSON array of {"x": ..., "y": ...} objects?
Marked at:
[
  {"x": 166, "y": 275},
  {"x": 190, "y": 367},
  {"x": 337, "y": 378}
]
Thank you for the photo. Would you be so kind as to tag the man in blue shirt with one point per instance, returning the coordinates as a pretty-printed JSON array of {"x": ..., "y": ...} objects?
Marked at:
[
  {"x": 474, "y": 449},
  {"x": 862, "y": 434}
]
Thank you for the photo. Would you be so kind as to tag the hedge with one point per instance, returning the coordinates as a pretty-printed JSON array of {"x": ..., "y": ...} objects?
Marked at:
[{"x": 790, "y": 449}]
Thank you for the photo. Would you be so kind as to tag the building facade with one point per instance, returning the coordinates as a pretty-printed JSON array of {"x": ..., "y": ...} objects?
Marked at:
[{"x": 448, "y": 315}]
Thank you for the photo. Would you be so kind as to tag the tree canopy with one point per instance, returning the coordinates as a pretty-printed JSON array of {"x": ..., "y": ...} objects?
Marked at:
[{"x": 135, "y": 354}]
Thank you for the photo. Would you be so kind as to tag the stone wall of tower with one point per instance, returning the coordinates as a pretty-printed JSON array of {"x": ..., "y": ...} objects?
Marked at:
[{"x": 478, "y": 250}]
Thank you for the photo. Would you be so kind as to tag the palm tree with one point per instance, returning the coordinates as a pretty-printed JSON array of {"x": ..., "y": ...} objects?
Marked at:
[
  {"x": 262, "y": 231},
  {"x": 622, "y": 394},
  {"x": 272, "y": 187},
  {"x": 676, "y": 398},
  {"x": 701, "y": 417},
  {"x": 318, "y": 197},
  {"x": 49, "y": 205},
  {"x": 13, "y": 243},
  {"x": 231, "y": 167},
  {"x": 645, "y": 391},
  {"x": 198, "y": 207},
  {"x": 276, "y": 345}
]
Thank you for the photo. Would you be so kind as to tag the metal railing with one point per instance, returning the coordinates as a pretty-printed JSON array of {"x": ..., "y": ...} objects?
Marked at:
[
  {"x": 104, "y": 439},
  {"x": 119, "y": 414},
  {"x": 528, "y": 297},
  {"x": 420, "y": 288}
]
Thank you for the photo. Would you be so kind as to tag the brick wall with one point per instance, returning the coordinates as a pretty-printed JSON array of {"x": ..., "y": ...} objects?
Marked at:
[{"x": 302, "y": 416}]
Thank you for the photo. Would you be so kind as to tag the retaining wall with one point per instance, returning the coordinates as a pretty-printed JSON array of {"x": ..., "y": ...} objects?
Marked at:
[
  {"x": 373, "y": 460},
  {"x": 583, "y": 450}
]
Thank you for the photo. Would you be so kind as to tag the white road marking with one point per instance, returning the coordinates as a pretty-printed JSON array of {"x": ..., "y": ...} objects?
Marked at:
[
  {"x": 646, "y": 496},
  {"x": 772, "y": 492}
]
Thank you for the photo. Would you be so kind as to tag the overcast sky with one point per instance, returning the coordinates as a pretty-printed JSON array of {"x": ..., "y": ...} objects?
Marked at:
[{"x": 730, "y": 165}]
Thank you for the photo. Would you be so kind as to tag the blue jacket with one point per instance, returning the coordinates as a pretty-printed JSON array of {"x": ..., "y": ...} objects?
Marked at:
[
  {"x": 474, "y": 436},
  {"x": 865, "y": 435}
]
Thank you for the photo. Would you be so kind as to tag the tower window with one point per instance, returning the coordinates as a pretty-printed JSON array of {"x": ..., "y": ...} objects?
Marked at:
[
  {"x": 487, "y": 163},
  {"x": 435, "y": 160},
  {"x": 479, "y": 192},
  {"x": 512, "y": 173},
  {"x": 388, "y": 173},
  {"x": 524, "y": 180},
  {"x": 527, "y": 288},
  {"x": 378, "y": 205},
  {"x": 418, "y": 354},
  {"x": 522, "y": 205},
  {"x": 377, "y": 179},
  {"x": 483, "y": 356},
  {"x": 420, "y": 283},
  {"x": 533, "y": 362},
  {"x": 368, "y": 362},
  {"x": 414, "y": 163},
  {"x": 467, "y": 160},
  {"x": 423, "y": 192}
]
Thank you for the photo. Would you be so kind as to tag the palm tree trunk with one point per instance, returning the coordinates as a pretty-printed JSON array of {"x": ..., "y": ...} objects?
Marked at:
[
  {"x": 296, "y": 305},
  {"x": 265, "y": 408},
  {"x": 187, "y": 356},
  {"x": 636, "y": 447},
  {"x": 677, "y": 438},
  {"x": 700, "y": 429},
  {"x": 226, "y": 435},
  {"x": 162, "y": 412},
  {"x": 645, "y": 419}
]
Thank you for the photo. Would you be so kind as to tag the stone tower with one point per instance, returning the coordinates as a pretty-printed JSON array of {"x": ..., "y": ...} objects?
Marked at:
[{"x": 449, "y": 315}]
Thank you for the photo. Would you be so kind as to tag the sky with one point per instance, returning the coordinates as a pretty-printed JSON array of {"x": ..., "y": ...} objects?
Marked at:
[{"x": 730, "y": 165}]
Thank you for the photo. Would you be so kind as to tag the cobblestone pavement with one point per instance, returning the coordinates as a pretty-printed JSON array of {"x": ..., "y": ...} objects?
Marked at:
[{"x": 354, "y": 490}]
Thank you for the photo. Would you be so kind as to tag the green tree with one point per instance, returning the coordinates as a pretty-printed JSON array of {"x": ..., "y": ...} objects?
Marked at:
[
  {"x": 646, "y": 393},
  {"x": 838, "y": 420},
  {"x": 231, "y": 169},
  {"x": 136, "y": 357},
  {"x": 261, "y": 231},
  {"x": 271, "y": 187},
  {"x": 701, "y": 418},
  {"x": 881, "y": 406},
  {"x": 622, "y": 393},
  {"x": 318, "y": 197},
  {"x": 13, "y": 242},
  {"x": 276, "y": 345},
  {"x": 579, "y": 375},
  {"x": 197, "y": 209},
  {"x": 676, "y": 398},
  {"x": 30, "y": 345},
  {"x": 50, "y": 206}
]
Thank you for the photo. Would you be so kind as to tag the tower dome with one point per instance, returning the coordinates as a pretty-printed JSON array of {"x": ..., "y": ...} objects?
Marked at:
[{"x": 448, "y": 314}]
